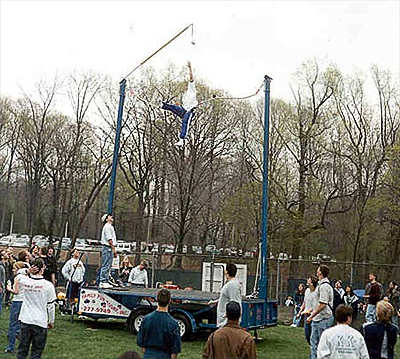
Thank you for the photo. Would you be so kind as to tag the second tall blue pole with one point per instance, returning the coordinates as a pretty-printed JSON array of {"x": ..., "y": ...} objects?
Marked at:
[
  {"x": 122, "y": 87},
  {"x": 264, "y": 212}
]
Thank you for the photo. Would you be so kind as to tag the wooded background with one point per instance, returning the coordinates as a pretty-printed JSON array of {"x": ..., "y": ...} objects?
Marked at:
[{"x": 334, "y": 161}]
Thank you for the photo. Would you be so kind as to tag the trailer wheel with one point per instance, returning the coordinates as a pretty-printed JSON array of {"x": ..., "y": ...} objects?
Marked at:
[
  {"x": 184, "y": 325},
  {"x": 135, "y": 320}
]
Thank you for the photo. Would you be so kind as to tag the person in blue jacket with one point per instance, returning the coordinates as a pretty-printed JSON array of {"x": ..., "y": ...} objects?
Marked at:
[
  {"x": 381, "y": 336},
  {"x": 159, "y": 333}
]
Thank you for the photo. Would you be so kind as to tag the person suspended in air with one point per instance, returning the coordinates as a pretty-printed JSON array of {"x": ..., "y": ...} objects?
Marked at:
[{"x": 186, "y": 111}]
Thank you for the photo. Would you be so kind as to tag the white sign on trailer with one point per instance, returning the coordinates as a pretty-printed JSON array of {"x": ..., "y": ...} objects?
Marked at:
[
  {"x": 219, "y": 277},
  {"x": 97, "y": 303}
]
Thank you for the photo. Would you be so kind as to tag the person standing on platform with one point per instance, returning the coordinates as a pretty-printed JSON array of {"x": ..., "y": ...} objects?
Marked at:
[{"x": 108, "y": 251}]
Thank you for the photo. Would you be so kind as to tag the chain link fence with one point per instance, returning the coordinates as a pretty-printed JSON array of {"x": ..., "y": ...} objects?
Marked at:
[{"x": 185, "y": 270}]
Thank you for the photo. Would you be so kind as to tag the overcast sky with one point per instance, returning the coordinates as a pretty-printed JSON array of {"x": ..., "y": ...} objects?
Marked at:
[{"x": 237, "y": 42}]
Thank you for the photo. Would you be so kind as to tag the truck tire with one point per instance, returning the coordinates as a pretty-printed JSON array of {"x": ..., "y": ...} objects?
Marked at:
[
  {"x": 185, "y": 326},
  {"x": 135, "y": 320}
]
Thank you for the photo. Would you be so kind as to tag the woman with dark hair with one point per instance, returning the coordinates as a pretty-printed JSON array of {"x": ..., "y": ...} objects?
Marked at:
[
  {"x": 351, "y": 300},
  {"x": 381, "y": 336},
  {"x": 298, "y": 300},
  {"x": 309, "y": 304},
  {"x": 34, "y": 252}
]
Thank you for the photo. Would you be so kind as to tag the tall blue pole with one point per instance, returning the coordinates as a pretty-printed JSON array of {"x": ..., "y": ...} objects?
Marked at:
[
  {"x": 122, "y": 86},
  {"x": 264, "y": 212}
]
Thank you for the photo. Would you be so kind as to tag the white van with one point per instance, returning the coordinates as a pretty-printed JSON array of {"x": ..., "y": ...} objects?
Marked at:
[{"x": 123, "y": 247}]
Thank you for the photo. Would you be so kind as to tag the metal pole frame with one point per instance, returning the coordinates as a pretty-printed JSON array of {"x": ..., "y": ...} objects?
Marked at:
[
  {"x": 122, "y": 87},
  {"x": 264, "y": 212}
]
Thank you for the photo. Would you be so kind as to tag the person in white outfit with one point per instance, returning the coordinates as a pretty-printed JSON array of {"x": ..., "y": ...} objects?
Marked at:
[
  {"x": 186, "y": 111},
  {"x": 74, "y": 272},
  {"x": 37, "y": 311},
  {"x": 138, "y": 275},
  {"x": 108, "y": 250},
  {"x": 231, "y": 291},
  {"x": 309, "y": 304},
  {"x": 342, "y": 341}
]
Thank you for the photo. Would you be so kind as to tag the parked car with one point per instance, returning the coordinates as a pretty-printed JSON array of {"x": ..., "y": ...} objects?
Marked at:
[
  {"x": 6, "y": 240},
  {"x": 44, "y": 242},
  {"x": 197, "y": 250},
  {"x": 20, "y": 242},
  {"x": 123, "y": 247},
  {"x": 66, "y": 243},
  {"x": 81, "y": 244},
  {"x": 37, "y": 238}
]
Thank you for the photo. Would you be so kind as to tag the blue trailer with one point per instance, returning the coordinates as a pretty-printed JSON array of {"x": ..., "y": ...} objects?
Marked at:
[{"x": 190, "y": 308}]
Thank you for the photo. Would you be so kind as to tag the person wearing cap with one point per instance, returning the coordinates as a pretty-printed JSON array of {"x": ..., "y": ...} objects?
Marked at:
[
  {"x": 19, "y": 269},
  {"x": 138, "y": 275},
  {"x": 230, "y": 341},
  {"x": 159, "y": 334},
  {"x": 108, "y": 243}
]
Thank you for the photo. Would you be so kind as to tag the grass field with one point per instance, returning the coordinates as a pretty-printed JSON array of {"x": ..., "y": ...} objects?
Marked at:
[{"x": 107, "y": 340}]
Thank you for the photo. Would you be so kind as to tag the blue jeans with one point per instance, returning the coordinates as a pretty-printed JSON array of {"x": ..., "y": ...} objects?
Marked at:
[
  {"x": 370, "y": 314},
  {"x": 186, "y": 117},
  {"x": 316, "y": 331},
  {"x": 307, "y": 331},
  {"x": 106, "y": 261},
  {"x": 296, "y": 321},
  {"x": 14, "y": 325},
  {"x": 395, "y": 321}
]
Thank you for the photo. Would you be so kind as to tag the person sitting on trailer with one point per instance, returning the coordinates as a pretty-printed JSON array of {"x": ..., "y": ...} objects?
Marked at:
[
  {"x": 159, "y": 333},
  {"x": 138, "y": 275},
  {"x": 185, "y": 112},
  {"x": 231, "y": 341},
  {"x": 230, "y": 292},
  {"x": 74, "y": 272}
]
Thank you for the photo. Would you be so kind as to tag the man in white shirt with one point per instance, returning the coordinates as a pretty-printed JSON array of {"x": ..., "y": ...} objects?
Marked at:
[
  {"x": 108, "y": 243},
  {"x": 321, "y": 317},
  {"x": 138, "y": 275},
  {"x": 342, "y": 341},
  {"x": 230, "y": 292},
  {"x": 186, "y": 111},
  {"x": 74, "y": 272},
  {"x": 37, "y": 311}
]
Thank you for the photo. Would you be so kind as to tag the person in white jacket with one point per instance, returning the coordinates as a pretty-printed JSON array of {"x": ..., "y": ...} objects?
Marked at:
[
  {"x": 74, "y": 272},
  {"x": 342, "y": 341},
  {"x": 138, "y": 275}
]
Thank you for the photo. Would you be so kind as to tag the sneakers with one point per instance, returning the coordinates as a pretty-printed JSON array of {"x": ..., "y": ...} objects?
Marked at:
[
  {"x": 294, "y": 326},
  {"x": 180, "y": 143},
  {"x": 8, "y": 351},
  {"x": 105, "y": 285}
]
